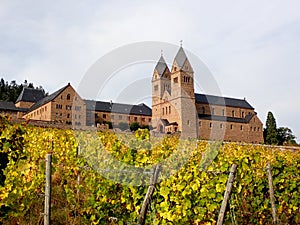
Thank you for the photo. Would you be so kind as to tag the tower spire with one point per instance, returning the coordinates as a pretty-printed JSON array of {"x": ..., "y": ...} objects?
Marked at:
[{"x": 181, "y": 43}]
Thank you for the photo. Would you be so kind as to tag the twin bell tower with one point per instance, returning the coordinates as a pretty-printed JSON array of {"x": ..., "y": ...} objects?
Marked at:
[{"x": 173, "y": 97}]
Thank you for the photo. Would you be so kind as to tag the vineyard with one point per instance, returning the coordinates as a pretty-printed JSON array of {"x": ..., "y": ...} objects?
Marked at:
[{"x": 103, "y": 177}]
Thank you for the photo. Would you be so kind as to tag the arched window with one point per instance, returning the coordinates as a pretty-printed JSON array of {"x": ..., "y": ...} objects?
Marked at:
[{"x": 68, "y": 96}]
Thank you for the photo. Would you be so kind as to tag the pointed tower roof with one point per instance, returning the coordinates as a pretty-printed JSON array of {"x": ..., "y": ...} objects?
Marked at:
[
  {"x": 180, "y": 57},
  {"x": 161, "y": 66}
]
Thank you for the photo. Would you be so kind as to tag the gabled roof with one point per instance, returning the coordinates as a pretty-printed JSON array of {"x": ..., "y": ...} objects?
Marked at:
[
  {"x": 226, "y": 119},
  {"x": 10, "y": 106},
  {"x": 30, "y": 95},
  {"x": 180, "y": 58},
  {"x": 223, "y": 101},
  {"x": 100, "y": 106},
  {"x": 48, "y": 98},
  {"x": 161, "y": 66}
]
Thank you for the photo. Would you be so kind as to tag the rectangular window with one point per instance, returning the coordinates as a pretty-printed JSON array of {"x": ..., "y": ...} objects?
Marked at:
[
  {"x": 104, "y": 116},
  {"x": 135, "y": 119},
  {"x": 112, "y": 116},
  {"x": 143, "y": 119},
  {"x": 223, "y": 112},
  {"x": 156, "y": 88},
  {"x": 175, "y": 80},
  {"x": 221, "y": 125},
  {"x": 120, "y": 117},
  {"x": 149, "y": 120}
]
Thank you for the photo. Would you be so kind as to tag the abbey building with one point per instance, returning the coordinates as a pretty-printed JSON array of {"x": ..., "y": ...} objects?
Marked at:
[{"x": 177, "y": 108}]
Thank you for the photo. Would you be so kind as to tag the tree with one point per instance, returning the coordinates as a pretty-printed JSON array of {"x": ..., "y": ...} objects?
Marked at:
[
  {"x": 285, "y": 136},
  {"x": 134, "y": 126},
  {"x": 270, "y": 132},
  {"x": 11, "y": 91}
]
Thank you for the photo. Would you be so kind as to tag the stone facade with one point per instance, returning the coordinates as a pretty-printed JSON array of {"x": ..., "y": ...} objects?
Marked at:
[
  {"x": 177, "y": 108},
  {"x": 103, "y": 112},
  {"x": 64, "y": 106}
]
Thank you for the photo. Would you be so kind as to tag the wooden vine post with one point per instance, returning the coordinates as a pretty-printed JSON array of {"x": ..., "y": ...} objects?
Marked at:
[
  {"x": 47, "y": 212},
  {"x": 227, "y": 194},
  {"x": 149, "y": 193},
  {"x": 271, "y": 191}
]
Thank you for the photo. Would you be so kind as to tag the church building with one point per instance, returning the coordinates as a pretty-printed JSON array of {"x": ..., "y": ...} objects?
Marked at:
[{"x": 176, "y": 108}]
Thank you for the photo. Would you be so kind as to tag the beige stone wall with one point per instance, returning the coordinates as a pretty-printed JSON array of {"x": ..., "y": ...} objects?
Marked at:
[
  {"x": 117, "y": 118},
  {"x": 42, "y": 113},
  {"x": 67, "y": 108},
  {"x": 251, "y": 132},
  {"x": 25, "y": 105},
  {"x": 223, "y": 110}
]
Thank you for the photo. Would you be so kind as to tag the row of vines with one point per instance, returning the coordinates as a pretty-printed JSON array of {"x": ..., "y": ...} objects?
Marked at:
[{"x": 102, "y": 178}]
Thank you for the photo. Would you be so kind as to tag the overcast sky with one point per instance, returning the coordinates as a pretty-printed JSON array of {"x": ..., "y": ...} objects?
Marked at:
[{"x": 252, "y": 48}]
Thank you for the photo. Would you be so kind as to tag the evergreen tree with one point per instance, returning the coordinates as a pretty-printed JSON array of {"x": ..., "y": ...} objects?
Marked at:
[{"x": 270, "y": 132}]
